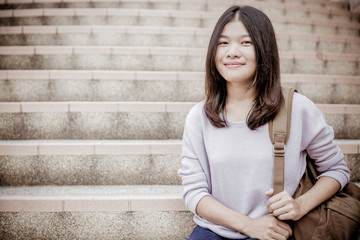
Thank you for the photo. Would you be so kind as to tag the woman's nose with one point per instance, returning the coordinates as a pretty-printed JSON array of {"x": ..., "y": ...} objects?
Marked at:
[{"x": 234, "y": 52}]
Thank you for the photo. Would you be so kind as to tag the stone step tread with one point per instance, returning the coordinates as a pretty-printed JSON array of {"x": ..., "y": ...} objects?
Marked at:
[
  {"x": 38, "y": 107},
  {"x": 162, "y": 60},
  {"x": 157, "y": 51},
  {"x": 118, "y": 147},
  {"x": 331, "y": 7},
  {"x": 336, "y": 3},
  {"x": 112, "y": 163},
  {"x": 150, "y": 225},
  {"x": 205, "y": 15},
  {"x": 114, "y": 106},
  {"x": 103, "y": 147},
  {"x": 43, "y": 36},
  {"x": 91, "y": 198},
  {"x": 126, "y": 121},
  {"x": 158, "y": 76},
  {"x": 155, "y": 30}
]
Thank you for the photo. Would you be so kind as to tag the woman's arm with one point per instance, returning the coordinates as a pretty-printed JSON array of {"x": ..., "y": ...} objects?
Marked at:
[
  {"x": 317, "y": 139},
  {"x": 284, "y": 207},
  {"x": 266, "y": 227}
]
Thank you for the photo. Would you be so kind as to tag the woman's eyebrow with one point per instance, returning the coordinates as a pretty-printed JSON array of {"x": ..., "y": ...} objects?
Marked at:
[{"x": 241, "y": 36}]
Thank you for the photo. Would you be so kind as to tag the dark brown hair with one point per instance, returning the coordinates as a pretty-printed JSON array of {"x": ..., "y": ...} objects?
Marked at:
[{"x": 268, "y": 96}]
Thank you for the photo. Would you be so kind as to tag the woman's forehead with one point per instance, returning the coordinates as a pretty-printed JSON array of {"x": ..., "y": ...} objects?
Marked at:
[{"x": 234, "y": 29}]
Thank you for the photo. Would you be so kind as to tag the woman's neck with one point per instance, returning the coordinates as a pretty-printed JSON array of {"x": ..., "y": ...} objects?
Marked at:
[
  {"x": 239, "y": 102},
  {"x": 239, "y": 93}
]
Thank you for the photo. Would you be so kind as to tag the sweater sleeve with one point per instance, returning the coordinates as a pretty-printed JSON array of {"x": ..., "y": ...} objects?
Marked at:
[
  {"x": 194, "y": 172},
  {"x": 318, "y": 142}
]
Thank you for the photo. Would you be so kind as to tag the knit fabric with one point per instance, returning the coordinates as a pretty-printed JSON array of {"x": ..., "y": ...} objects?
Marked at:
[{"x": 235, "y": 165}]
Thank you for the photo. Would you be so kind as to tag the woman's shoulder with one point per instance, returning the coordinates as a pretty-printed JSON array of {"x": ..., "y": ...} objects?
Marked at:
[
  {"x": 301, "y": 100},
  {"x": 195, "y": 119},
  {"x": 303, "y": 103},
  {"x": 304, "y": 109},
  {"x": 196, "y": 112}
]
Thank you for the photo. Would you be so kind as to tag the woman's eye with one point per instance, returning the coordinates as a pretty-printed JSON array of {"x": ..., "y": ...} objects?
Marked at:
[
  {"x": 246, "y": 42},
  {"x": 222, "y": 43}
]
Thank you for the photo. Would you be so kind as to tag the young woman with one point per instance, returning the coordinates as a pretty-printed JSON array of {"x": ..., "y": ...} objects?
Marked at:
[{"x": 227, "y": 154}]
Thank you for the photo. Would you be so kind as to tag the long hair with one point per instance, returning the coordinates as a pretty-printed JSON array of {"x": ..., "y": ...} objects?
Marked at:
[{"x": 268, "y": 96}]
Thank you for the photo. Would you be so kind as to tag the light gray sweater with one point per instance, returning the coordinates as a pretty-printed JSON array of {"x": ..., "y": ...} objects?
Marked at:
[{"x": 235, "y": 164}]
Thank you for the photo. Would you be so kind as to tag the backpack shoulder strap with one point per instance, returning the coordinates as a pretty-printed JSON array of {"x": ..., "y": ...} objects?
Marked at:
[{"x": 279, "y": 129}]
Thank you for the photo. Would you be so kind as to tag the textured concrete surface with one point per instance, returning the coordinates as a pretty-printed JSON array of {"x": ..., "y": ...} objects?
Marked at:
[
  {"x": 352, "y": 48},
  {"x": 318, "y": 46},
  {"x": 329, "y": 93},
  {"x": 292, "y": 28},
  {"x": 167, "y": 62},
  {"x": 103, "y": 20},
  {"x": 109, "y": 190},
  {"x": 161, "y": 90},
  {"x": 101, "y": 90},
  {"x": 348, "y": 93},
  {"x": 312, "y": 66},
  {"x": 89, "y": 125},
  {"x": 89, "y": 170},
  {"x": 80, "y": 170},
  {"x": 345, "y": 126},
  {"x": 313, "y": 29},
  {"x": 140, "y": 5},
  {"x": 353, "y": 163},
  {"x": 181, "y": 6},
  {"x": 128, "y": 125},
  {"x": 24, "y": 90},
  {"x": 342, "y": 68},
  {"x": 96, "y": 225},
  {"x": 300, "y": 45},
  {"x": 104, "y": 62},
  {"x": 104, "y": 169}
]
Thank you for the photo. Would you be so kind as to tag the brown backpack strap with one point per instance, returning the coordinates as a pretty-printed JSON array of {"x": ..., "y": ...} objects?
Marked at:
[{"x": 279, "y": 129}]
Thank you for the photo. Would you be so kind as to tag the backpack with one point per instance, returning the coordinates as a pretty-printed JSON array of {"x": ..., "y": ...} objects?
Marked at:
[{"x": 337, "y": 218}]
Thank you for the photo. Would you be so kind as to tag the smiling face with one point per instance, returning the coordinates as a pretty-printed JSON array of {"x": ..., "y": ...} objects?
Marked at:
[
  {"x": 235, "y": 54},
  {"x": 233, "y": 65}
]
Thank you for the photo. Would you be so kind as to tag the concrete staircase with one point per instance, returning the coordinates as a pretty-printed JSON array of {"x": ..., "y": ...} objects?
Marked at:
[{"x": 94, "y": 94}]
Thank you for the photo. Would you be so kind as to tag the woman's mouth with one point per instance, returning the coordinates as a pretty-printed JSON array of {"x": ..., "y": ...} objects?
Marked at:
[{"x": 233, "y": 64}]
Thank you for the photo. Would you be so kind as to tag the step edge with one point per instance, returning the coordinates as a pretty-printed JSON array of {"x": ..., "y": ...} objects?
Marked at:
[
  {"x": 121, "y": 106},
  {"x": 116, "y": 147},
  {"x": 79, "y": 147},
  {"x": 157, "y": 75},
  {"x": 41, "y": 12},
  {"x": 157, "y": 51},
  {"x": 157, "y": 30},
  {"x": 91, "y": 203}
]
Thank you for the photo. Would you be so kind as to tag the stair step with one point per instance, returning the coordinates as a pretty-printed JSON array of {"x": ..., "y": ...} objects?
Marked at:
[
  {"x": 116, "y": 147},
  {"x": 323, "y": 6},
  {"x": 91, "y": 198},
  {"x": 94, "y": 212},
  {"x": 92, "y": 162},
  {"x": 112, "y": 162},
  {"x": 52, "y": 85},
  {"x": 309, "y": 8},
  {"x": 159, "y": 59},
  {"x": 151, "y": 17},
  {"x": 129, "y": 71},
  {"x": 151, "y": 36},
  {"x": 124, "y": 120},
  {"x": 154, "y": 50},
  {"x": 110, "y": 147},
  {"x": 97, "y": 225}
]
